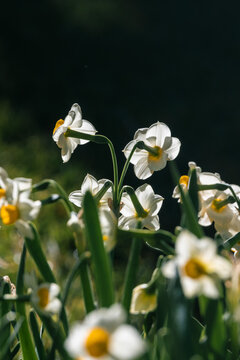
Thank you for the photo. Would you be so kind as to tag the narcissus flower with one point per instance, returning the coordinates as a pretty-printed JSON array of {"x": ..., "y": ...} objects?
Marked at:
[
  {"x": 151, "y": 204},
  {"x": 94, "y": 186},
  {"x": 103, "y": 335},
  {"x": 158, "y": 137},
  {"x": 143, "y": 300},
  {"x": 20, "y": 211},
  {"x": 44, "y": 298},
  {"x": 199, "y": 266},
  {"x": 72, "y": 121}
]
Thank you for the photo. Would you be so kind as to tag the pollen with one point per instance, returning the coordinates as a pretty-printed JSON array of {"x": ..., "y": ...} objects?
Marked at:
[
  {"x": 215, "y": 207},
  {"x": 184, "y": 180},
  {"x": 43, "y": 294},
  {"x": 57, "y": 125},
  {"x": 9, "y": 214},
  {"x": 97, "y": 342},
  {"x": 157, "y": 156},
  {"x": 2, "y": 193},
  {"x": 194, "y": 268}
]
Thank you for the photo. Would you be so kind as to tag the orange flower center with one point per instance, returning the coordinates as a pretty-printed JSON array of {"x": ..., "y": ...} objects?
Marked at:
[
  {"x": 194, "y": 268},
  {"x": 43, "y": 295},
  {"x": 184, "y": 180},
  {"x": 2, "y": 193},
  {"x": 9, "y": 214},
  {"x": 97, "y": 342},
  {"x": 157, "y": 156},
  {"x": 57, "y": 125}
]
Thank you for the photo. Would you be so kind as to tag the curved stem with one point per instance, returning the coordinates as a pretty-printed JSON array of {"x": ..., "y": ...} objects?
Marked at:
[{"x": 140, "y": 145}]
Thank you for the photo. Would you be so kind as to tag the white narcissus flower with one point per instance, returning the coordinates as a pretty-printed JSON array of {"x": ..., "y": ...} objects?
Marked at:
[
  {"x": 44, "y": 298},
  {"x": 150, "y": 202},
  {"x": 94, "y": 186},
  {"x": 20, "y": 211},
  {"x": 103, "y": 335},
  {"x": 199, "y": 266},
  {"x": 157, "y": 136},
  {"x": 72, "y": 121},
  {"x": 143, "y": 301}
]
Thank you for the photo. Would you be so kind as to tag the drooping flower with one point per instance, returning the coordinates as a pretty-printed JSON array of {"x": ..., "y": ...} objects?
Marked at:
[
  {"x": 103, "y": 335},
  {"x": 143, "y": 301},
  {"x": 199, "y": 266},
  {"x": 151, "y": 204},
  {"x": 44, "y": 298},
  {"x": 72, "y": 121},
  {"x": 94, "y": 186},
  {"x": 158, "y": 137}
]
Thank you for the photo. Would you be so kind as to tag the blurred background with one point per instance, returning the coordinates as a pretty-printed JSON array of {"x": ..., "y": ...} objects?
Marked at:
[{"x": 128, "y": 64}]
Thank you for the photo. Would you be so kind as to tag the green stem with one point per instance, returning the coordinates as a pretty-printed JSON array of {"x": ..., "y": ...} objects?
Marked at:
[
  {"x": 43, "y": 185},
  {"x": 131, "y": 272},
  {"x": 100, "y": 139},
  {"x": 137, "y": 205},
  {"x": 125, "y": 168},
  {"x": 27, "y": 346}
]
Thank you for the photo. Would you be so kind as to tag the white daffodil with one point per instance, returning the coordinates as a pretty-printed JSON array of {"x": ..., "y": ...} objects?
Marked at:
[
  {"x": 221, "y": 216},
  {"x": 44, "y": 298},
  {"x": 103, "y": 335},
  {"x": 158, "y": 137},
  {"x": 72, "y": 121},
  {"x": 198, "y": 265},
  {"x": 94, "y": 186},
  {"x": 20, "y": 211},
  {"x": 151, "y": 204},
  {"x": 9, "y": 188},
  {"x": 143, "y": 301}
]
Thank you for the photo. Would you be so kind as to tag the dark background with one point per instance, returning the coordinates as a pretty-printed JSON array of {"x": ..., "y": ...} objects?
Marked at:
[{"x": 128, "y": 64}]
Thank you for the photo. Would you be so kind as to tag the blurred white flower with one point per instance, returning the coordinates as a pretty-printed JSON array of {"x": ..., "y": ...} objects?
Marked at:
[
  {"x": 20, "y": 210},
  {"x": 151, "y": 204},
  {"x": 103, "y": 335},
  {"x": 158, "y": 137},
  {"x": 72, "y": 121},
  {"x": 199, "y": 266},
  {"x": 44, "y": 298}
]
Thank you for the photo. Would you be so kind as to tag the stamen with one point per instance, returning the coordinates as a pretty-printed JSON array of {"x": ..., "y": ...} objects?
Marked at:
[
  {"x": 57, "y": 125},
  {"x": 9, "y": 214},
  {"x": 97, "y": 342},
  {"x": 157, "y": 156},
  {"x": 43, "y": 295},
  {"x": 194, "y": 268},
  {"x": 105, "y": 238}
]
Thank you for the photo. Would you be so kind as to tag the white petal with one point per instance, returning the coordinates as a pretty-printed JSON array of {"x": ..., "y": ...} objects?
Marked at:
[
  {"x": 126, "y": 343},
  {"x": 24, "y": 229},
  {"x": 76, "y": 198},
  {"x": 140, "y": 134},
  {"x": 160, "y": 164},
  {"x": 86, "y": 128},
  {"x": 137, "y": 155},
  {"x": 160, "y": 131},
  {"x": 142, "y": 170},
  {"x": 174, "y": 149},
  {"x": 169, "y": 269},
  {"x": 89, "y": 184},
  {"x": 151, "y": 222}
]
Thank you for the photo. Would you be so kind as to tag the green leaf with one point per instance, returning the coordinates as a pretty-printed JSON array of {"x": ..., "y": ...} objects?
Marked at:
[
  {"x": 193, "y": 189},
  {"x": 36, "y": 252},
  {"x": 36, "y": 336},
  {"x": 215, "y": 328},
  {"x": 228, "y": 244},
  {"x": 27, "y": 346},
  {"x": 101, "y": 264}
]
